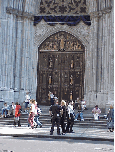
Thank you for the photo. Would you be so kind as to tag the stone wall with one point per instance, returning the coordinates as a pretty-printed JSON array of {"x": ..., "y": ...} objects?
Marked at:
[
  {"x": 100, "y": 86},
  {"x": 17, "y": 44}
]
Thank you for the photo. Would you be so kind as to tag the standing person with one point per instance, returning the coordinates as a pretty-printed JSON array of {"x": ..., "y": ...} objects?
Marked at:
[
  {"x": 63, "y": 117},
  {"x": 32, "y": 113},
  {"x": 55, "y": 113},
  {"x": 110, "y": 116},
  {"x": 96, "y": 111},
  {"x": 51, "y": 98},
  {"x": 70, "y": 118},
  {"x": 17, "y": 115},
  {"x": 27, "y": 101}
]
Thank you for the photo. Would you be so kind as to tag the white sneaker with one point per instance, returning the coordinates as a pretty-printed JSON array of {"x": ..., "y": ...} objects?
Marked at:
[
  {"x": 82, "y": 119},
  {"x": 75, "y": 120}
]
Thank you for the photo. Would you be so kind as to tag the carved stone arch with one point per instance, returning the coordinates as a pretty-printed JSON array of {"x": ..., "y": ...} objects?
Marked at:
[{"x": 68, "y": 30}]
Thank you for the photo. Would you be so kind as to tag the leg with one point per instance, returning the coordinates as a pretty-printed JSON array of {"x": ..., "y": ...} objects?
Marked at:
[
  {"x": 3, "y": 111},
  {"x": 6, "y": 112},
  {"x": 19, "y": 122},
  {"x": 58, "y": 123},
  {"x": 52, "y": 128},
  {"x": 76, "y": 117},
  {"x": 71, "y": 125},
  {"x": 68, "y": 125},
  {"x": 81, "y": 116}
]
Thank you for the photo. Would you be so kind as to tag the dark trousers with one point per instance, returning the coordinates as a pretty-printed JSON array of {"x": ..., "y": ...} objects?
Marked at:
[
  {"x": 63, "y": 124},
  {"x": 52, "y": 101},
  {"x": 70, "y": 123},
  {"x": 18, "y": 122},
  {"x": 57, "y": 120}
]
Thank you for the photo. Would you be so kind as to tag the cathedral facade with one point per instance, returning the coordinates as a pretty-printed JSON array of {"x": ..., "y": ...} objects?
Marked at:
[{"x": 66, "y": 47}]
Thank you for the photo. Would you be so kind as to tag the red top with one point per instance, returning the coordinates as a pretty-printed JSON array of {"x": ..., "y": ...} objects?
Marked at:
[{"x": 17, "y": 110}]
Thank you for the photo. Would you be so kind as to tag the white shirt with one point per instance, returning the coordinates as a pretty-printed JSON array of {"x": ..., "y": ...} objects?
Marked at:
[
  {"x": 27, "y": 98},
  {"x": 33, "y": 108},
  {"x": 51, "y": 95}
]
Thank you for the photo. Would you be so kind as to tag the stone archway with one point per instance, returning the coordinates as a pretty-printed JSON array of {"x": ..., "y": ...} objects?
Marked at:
[{"x": 61, "y": 68}]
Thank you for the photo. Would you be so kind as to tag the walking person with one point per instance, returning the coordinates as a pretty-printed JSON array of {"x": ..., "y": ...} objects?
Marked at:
[
  {"x": 54, "y": 111},
  {"x": 36, "y": 117},
  {"x": 110, "y": 117},
  {"x": 32, "y": 113},
  {"x": 70, "y": 118},
  {"x": 63, "y": 117},
  {"x": 17, "y": 115}
]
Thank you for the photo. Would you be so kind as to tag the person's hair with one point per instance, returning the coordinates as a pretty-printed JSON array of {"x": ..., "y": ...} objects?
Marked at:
[
  {"x": 32, "y": 101},
  {"x": 63, "y": 103},
  {"x": 96, "y": 106},
  {"x": 17, "y": 103},
  {"x": 111, "y": 107}
]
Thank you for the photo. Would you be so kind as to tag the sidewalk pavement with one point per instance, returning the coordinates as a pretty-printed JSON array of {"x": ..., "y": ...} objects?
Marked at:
[{"x": 80, "y": 133}]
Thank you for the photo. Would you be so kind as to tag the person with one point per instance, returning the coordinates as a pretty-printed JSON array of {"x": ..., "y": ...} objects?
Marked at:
[
  {"x": 70, "y": 118},
  {"x": 5, "y": 110},
  {"x": 79, "y": 114},
  {"x": 96, "y": 111},
  {"x": 17, "y": 115},
  {"x": 13, "y": 108},
  {"x": 83, "y": 104},
  {"x": 51, "y": 98},
  {"x": 63, "y": 117},
  {"x": 54, "y": 111},
  {"x": 32, "y": 113},
  {"x": 36, "y": 117},
  {"x": 27, "y": 101},
  {"x": 110, "y": 117}
]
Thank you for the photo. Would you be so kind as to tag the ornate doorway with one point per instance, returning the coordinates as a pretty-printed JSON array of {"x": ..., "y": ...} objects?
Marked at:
[{"x": 61, "y": 68}]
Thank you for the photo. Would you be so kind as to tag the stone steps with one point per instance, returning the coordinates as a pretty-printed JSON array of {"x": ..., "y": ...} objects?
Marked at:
[{"x": 45, "y": 119}]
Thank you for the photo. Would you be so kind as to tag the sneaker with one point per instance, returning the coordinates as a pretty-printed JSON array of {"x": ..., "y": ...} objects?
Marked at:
[
  {"x": 41, "y": 126},
  {"x": 75, "y": 120},
  {"x": 82, "y": 119}
]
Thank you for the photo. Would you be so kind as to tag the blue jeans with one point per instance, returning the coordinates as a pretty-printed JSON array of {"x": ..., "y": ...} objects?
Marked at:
[
  {"x": 4, "y": 111},
  {"x": 36, "y": 119},
  {"x": 79, "y": 113}
]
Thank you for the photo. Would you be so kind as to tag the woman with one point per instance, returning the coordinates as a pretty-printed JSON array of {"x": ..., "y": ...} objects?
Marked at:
[
  {"x": 110, "y": 116},
  {"x": 63, "y": 117},
  {"x": 32, "y": 113},
  {"x": 17, "y": 114}
]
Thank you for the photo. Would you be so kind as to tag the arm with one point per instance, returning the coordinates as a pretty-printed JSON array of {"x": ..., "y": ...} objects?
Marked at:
[{"x": 50, "y": 113}]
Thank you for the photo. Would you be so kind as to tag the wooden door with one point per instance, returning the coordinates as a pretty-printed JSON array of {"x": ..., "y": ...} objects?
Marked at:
[{"x": 60, "y": 70}]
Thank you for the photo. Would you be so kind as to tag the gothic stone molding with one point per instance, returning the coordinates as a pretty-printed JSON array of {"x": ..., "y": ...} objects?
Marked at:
[
  {"x": 98, "y": 14},
  {"x": 43, "y": 30},
  {"x": 19, "y": 13}
]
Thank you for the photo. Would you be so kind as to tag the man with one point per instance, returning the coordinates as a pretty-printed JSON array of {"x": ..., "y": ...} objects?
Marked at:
[
  {"x": 54, "y": 111},
  {"x": 70, "y": 118}
]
